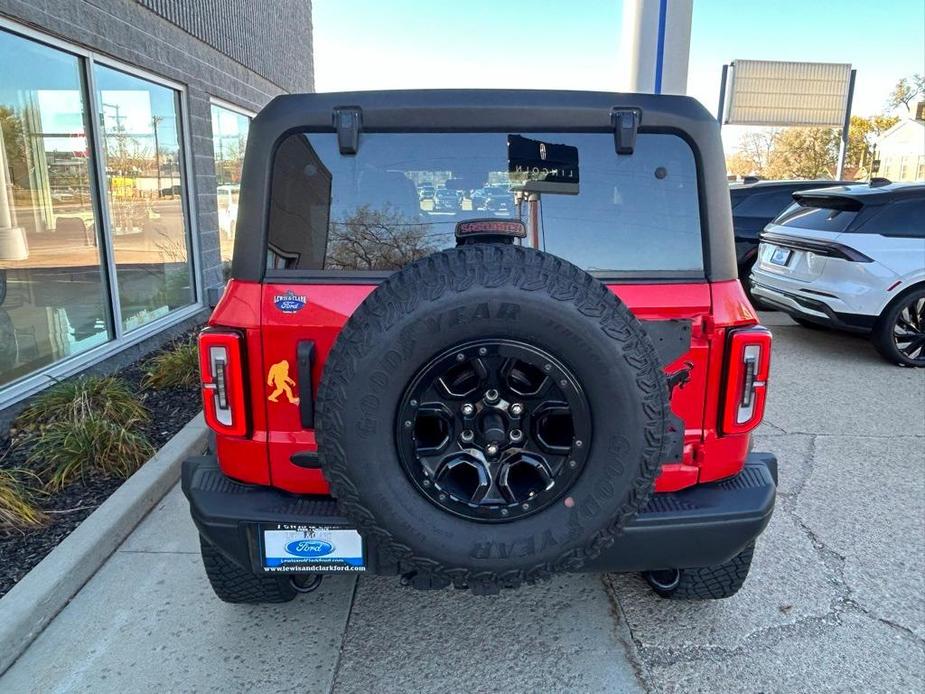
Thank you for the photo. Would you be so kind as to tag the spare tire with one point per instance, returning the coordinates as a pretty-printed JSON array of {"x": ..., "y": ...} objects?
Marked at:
[{"x": 491, "y": 415}]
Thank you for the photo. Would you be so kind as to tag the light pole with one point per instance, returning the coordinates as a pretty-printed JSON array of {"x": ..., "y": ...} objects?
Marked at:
[{"x": 155, "y": 120}]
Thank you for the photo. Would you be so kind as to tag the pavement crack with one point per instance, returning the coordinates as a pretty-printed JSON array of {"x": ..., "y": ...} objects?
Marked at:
[
  {"x": 343, "y": 638},
  {"x": 789, "y": 500},
  {"x": 902, "y": 629},
  {"x": 630, "y": 644},
  {"x": 759, "y": 639},
  {"x": 779, "y": 429}
]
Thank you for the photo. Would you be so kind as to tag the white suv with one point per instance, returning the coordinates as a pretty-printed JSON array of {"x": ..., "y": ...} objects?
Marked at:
[{"x": 851, "y": 257}]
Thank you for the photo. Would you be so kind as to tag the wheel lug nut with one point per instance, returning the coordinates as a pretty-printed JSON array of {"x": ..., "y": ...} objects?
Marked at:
[
  {"x": 516, "y": 434},
  {"x": 517, "y": 409},
  {"x": 526, "y": 507},
  {"x": 460, "y": 356},
  {"x": 408, "y": 424},
  {"x": 491, "y": 395},
  {"x": 504, "y": 512},
  {"x": 468, "y": 409},
  {"x": 482, "y": 351},
  {"x": 467, "y": 435},
  {"x": 491, "y": 449},
  {"x": 579, "y": 444}
]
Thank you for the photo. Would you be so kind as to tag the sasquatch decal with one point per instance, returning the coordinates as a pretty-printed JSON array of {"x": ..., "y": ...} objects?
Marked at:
[{"x": 278, "y": 377}]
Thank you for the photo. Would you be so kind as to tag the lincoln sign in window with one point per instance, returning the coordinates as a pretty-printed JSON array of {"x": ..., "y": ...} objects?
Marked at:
[{"x": 399, "y": 199}]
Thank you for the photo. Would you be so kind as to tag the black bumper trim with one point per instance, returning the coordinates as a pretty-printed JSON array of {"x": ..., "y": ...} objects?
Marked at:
[{"x": 700, "y": 526}]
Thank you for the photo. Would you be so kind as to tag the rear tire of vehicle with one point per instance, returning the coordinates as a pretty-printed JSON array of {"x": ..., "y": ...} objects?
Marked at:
[
  {"x": 233, "y": 584},
  {"x": 882, "y": 335},
  {"x": 442, "y": 303},
  {"x": 707, "y": 583}
]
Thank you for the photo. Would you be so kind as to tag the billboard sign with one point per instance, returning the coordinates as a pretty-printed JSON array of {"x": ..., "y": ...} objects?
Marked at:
[{"x": 777, "y": 93}]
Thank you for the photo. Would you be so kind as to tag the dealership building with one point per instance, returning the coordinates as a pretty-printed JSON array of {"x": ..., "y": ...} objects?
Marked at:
[{"x": 122, "y": 131}]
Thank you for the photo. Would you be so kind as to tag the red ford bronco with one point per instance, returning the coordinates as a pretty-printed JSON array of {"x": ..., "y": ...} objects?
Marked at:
[{"x": 478, "y": 338}]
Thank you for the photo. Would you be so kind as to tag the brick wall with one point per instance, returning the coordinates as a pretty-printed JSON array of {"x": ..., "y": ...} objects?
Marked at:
[{"x": 271, "y": 37}]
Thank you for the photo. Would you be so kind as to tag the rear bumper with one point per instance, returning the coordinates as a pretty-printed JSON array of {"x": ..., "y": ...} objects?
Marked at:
[
  {"x": 701, "y": 526},
  {"x": 812, "y": 310}
]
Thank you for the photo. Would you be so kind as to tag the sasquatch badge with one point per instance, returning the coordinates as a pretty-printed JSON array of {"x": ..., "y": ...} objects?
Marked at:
[{"x": 278, "y": 379}]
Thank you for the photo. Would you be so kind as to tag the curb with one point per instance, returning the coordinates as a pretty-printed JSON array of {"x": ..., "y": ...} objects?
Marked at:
[{"x": 33, "y": 602}]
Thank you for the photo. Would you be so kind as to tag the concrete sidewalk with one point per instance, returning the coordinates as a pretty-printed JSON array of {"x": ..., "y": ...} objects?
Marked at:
[{"x": 148, "y": 622}]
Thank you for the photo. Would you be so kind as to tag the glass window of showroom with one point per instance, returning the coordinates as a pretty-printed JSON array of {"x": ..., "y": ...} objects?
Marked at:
[{"x": 94, "y": 223}]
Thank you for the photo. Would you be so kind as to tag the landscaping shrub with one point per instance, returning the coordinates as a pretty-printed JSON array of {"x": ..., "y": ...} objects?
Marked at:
[
  {"x": 85, "y": 443},
  {"x": 87, "y": 424},
  {"x": 17, "y": 512},
  {"x": 175, "y": 367},
  {"x": 105, "y": 396}
]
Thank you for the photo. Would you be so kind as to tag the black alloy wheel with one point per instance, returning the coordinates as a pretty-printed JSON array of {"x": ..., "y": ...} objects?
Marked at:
[
  {"x": 899, "y": 334},
  {"x": 493, "y": 430},
  {"x": 909, "y": 330}
]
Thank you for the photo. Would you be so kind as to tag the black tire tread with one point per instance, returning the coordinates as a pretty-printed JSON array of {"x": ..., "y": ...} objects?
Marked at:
[
  {"x": 714, "y": 582},
  {"x": 233, "y": 584},
  {"x": 454, "y": 271},
  {"x": 882, "y": 335}
]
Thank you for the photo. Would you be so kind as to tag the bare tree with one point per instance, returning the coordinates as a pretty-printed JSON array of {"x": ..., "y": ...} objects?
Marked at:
[
  {"x": 905, "y": 93},
  {"x": 378, "y": 239}
]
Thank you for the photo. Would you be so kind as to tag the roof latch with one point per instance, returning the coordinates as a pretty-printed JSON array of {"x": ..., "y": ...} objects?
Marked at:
[
  {"x": 348, "y": 121},
  {"x": 625, "y": 124}
]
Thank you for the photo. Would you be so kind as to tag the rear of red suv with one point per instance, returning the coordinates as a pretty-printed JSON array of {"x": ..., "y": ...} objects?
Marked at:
[{"x": 482, "y": 396}]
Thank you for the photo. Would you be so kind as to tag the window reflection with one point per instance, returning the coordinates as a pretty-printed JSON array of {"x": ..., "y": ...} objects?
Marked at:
[
  {"x": 140, "y": 132},
  {"x": 52, "y": 294},
  {"x": 229, "y": 138}
]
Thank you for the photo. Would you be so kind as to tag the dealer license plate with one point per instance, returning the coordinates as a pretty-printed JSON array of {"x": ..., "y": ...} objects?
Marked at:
[
  {"x": 311, "y": 548},
  {"x": 781, "y": 256}
]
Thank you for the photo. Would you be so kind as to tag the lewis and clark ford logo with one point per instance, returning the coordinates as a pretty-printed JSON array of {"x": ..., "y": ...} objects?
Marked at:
[{"x": 290, "y": 302}]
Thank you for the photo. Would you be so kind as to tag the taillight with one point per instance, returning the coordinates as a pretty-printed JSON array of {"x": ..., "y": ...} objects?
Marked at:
[
  {"x": 748, "y": 362},
  {"x": 221, "y": 364}
]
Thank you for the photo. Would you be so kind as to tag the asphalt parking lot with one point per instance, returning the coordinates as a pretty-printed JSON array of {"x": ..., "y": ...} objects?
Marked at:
[{"x": 835, "y": 600}]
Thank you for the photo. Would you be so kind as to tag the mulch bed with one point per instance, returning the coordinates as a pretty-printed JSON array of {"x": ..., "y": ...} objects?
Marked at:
[{"x": 170, "y": 411}]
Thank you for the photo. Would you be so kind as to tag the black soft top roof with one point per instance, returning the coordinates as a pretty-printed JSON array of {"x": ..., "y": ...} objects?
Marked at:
[
  {"x": 483, "y": 110},
  {"x": 468, "y": 109}
]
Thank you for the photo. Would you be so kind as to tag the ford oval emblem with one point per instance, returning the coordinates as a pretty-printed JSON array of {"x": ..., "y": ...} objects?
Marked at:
[
  {"x": 309, "y": 548},
  {"x": 290, "y": 302}
]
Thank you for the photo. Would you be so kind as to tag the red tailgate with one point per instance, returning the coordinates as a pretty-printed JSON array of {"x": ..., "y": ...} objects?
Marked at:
[{"x": 294, "y": 312}]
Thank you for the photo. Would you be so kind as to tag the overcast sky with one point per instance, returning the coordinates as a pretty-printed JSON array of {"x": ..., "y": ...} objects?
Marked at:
[{"x": 574, "y": 44}]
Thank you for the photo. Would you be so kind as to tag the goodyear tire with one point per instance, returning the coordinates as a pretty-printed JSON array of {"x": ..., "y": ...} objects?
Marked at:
[
  {"x": 504, "y": 297},
  {"x": 231, "y": 583},
  {"x": 707, "y": 583}
]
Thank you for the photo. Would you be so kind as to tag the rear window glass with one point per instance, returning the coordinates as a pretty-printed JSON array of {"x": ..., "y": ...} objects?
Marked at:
[
  {"x": 817, "y": 218},
  {"x": 905, "y": 218},
  {"x": 399, "y": 198}
]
